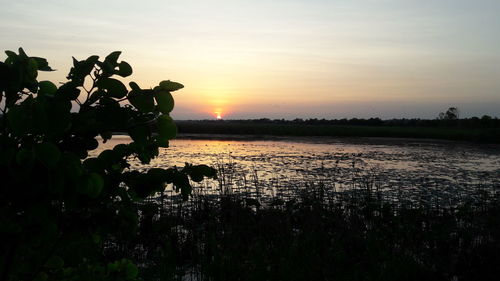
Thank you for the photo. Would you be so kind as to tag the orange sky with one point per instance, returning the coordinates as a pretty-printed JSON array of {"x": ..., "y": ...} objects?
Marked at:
[{"x": 282, "y": 59}]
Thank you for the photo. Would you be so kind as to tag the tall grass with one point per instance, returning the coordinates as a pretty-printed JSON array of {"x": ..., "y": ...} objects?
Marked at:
[{"x": 248, "y": 229}]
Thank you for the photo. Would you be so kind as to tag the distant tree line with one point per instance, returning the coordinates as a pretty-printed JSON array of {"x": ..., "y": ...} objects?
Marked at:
[{"x": 485, "y": 121}]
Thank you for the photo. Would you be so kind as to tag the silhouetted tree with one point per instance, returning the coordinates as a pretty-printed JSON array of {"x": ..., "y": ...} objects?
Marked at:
[{"x": 451, "y": 114}]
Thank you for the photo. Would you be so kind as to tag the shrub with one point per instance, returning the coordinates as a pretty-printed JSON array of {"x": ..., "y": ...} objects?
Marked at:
[{"x": 60, "y": 208}]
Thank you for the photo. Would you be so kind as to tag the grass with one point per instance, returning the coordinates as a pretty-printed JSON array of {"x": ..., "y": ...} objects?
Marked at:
[
  {"x": 269, "y": 128},
  {"x": 316, "y": 233}
]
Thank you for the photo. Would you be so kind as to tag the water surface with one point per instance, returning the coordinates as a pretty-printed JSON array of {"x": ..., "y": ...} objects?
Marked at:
[{"x": 276, "y": 166}]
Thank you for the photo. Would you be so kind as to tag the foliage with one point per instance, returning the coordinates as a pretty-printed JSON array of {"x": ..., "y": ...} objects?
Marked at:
[
  {"x": 60, "y": 208},
  {"x": 321, "y": 234},
  {"x": 482, "y": 130},
  {"x": 451, "y": 114}
]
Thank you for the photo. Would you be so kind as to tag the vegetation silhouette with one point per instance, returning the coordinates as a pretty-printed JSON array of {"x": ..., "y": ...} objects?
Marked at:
[
  {"x": 67, "y": 216},
  {"x": 60, "y": 210},
  {"x": 447, "y": 126},
  {"x": 451, "y": 114}
]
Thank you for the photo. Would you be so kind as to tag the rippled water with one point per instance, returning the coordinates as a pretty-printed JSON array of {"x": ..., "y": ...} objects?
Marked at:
[{"x": 275, "y": 166}]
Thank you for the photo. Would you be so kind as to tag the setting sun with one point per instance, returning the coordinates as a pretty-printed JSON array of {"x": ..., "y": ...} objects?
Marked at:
[{"x": 218, "y": 115}]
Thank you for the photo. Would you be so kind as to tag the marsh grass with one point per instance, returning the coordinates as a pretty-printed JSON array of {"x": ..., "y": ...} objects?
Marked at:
[{"x": 317, "y": 229}]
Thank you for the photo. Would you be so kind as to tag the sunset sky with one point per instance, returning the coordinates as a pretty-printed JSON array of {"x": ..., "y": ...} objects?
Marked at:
[{"x": 282, "y": 58}]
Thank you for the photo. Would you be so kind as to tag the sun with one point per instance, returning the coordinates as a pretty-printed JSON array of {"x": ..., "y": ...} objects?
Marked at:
[{"x": 218, "y": 115}]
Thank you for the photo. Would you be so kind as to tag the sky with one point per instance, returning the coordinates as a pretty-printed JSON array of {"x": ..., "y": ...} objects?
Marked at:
[{"x": 281, "y": 58}]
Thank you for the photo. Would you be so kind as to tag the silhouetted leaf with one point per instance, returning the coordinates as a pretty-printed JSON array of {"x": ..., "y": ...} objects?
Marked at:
[
  {"x": 54, "y": 262},
  {"x": 48, "y": 154},
  {"x": 134, "y": 86},
  {"x": 139, "y": 134},
  {"x": 42, "y": 64},
  {"x": 124, "y": 69},
  {"x": 165, "y": 101},
  {"x": 198, "y": 172},
  {"x": 40, "y": 118},
  {"x": 69, "y": 91},
  {"x": 94, "y": 164},
  {"x": 81, "y": 69},
  {"x": 10, "y": 54},
  {"x": 108, "y": 157},
  {"x": 166, "y": 127},
  {"x": 121, "y": 150},
  {"x": 181, "y": 182},
  {"x": 19, "y": 118},
  {"x": 22, "y": 54},
  {"x": 59, "y": 117},
  {"x": 143, "y": 100},
  {"x": 113, "y": 57},
  {"x": 25, "y": 157},
  {"x": 47, "y": 88},
  {"x": 31, "y": 70},
  {"x": 131, "y": 271},
  {"x": 170, "y": 86},
  {"x": 96, "y": 185},
  {"x": 113, "y": 87}
]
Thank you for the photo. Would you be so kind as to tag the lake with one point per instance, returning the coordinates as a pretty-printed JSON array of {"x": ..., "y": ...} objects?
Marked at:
[{"x": 400, "y": 169}]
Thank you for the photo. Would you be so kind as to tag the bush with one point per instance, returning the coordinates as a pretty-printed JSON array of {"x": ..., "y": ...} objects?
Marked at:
[{"x": 59, "y": 208}]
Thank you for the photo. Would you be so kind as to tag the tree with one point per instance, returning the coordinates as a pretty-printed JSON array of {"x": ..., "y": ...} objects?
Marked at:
[
  {"x": 451, "y": 114},
  {"x": 59, "y": 208}
]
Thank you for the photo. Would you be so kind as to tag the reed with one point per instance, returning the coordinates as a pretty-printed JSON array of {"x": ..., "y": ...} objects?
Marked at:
[{"x": 317, "y": 229}]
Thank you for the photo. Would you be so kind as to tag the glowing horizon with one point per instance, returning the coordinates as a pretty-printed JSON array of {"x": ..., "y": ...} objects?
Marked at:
[{"x": 282, "y": 59}]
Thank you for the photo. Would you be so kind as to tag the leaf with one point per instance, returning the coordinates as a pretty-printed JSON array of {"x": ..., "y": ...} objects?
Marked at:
[
  {"x": 59, "y": 117},
  {"x": 139, "y": 134},
  {"x": 158, "y": 175},
  {"x": 48, "y": 154},
  {"x": 72, "y": 167},
  {"x": 42, "y": 64},
  {"x": 22, "y": 54},
  {"x": 165, "y": 101},
  {"x": 69, "y": 91},
  {"x": 113, "y": 87},
  {"x": 96, "y": 185},
  {"x": 131, "y": 271},
  {"x": 108, "y": 157},
  {"x": 80, "y": 70},
  {"x": 206, "y": 171},
  {"x": 113, "y": 58},
  {"x": 143, "y": 100},
  {"x": 54, "y": 262},
  {"x": 47, "y": 88},
  {"x": 40, "y": 118},
  {"x": 124, "y": 69},
  {"x": 12, "y": 55},
  {"x": 25, "y": 157},
  {"x": 162, "y": 142},
  {"x": 92, "y": 60},
  {"x": 134, "y": 86},
  {"x": 19, "y": 118},
  {"x": 166, "y": 127},
  {"x": 122, "y": 150},
  {"x": 197, "y": 172},
  {"x": 32, "y": 70},
  {"x": 94, "y": 164},
  {"x": 181, "y": 182},
  {"x": 107, "y": 135},
  {"x": 170, "y": 86}
]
